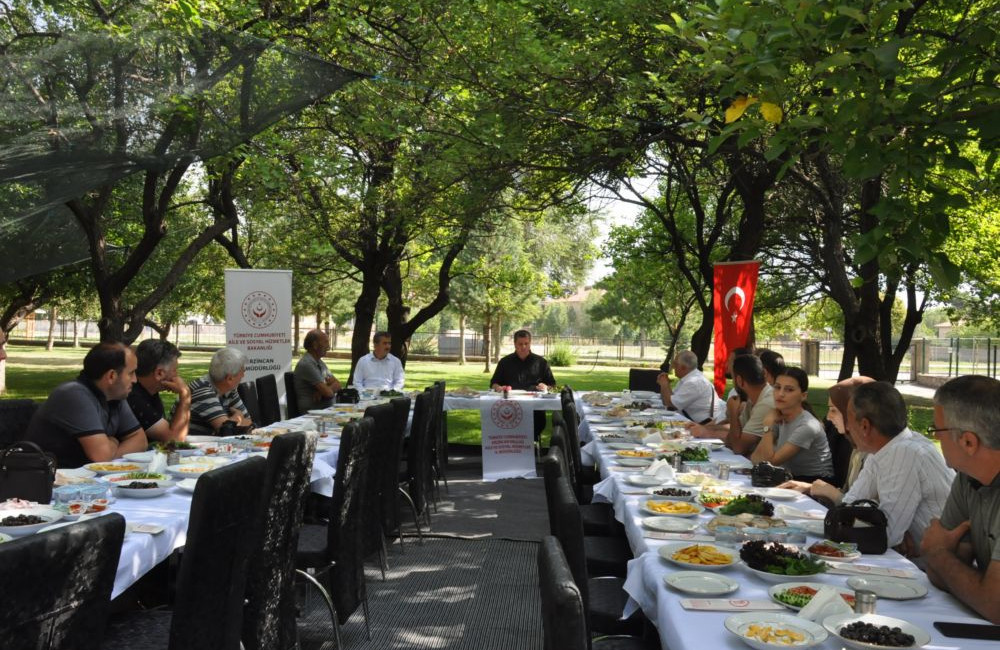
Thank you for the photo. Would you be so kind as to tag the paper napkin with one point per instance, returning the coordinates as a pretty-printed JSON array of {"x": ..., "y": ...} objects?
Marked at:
[
  {"x": 845, "y": 568},
  {"x": 826, "y": 602},
  {"x": 730, "y": 605},
  {"x": 660, "y": 469}
]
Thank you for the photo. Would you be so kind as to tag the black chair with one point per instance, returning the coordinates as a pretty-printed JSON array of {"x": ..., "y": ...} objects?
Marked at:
[
  {"x": 211, "y": 579},
  {"x": 439, "y": 437},
  {"x": 57, "y": 585},
  {"x": 389, "y": 471},
  {"x": 380, "y": 442},
  {"x": 564, "y": 620},
  {"x": 15, "y": 414},
  {"x": 248, "y": 394},
  {"x": 270, "y": 612},
  {"x": 415, "y": 482},
  {"x": 643, "y": 379},
  {"x": 267, "y": 397},
  {"x": 598, "y": 518},
  {"x": 334, "y": 550},
  {"x": 605, "y": 555},
  {"x": 291, "y": 396}
]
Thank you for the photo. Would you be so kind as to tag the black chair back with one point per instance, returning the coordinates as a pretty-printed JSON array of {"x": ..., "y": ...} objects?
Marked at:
[
  {"x": 56, "y": 586},
  {"x": 15, "y": 414},
  {"x": 291, "y": 396},
  {"x": 643, "y": 379},
  {"x": 346, "y": 580},
  {"x": 248, "y": 393},
  {"x": 418, "y": 452},
  {"x": 565, "y": 521},
  {"x": 563, "y": 614},
  {"x": 211, "y": 580},
  {"x": 267, "y": 397},
  {"x": 380, "y": 447},
  {"x": 269, "y": 617},
  {"x": 389, "y": 467},
  {"x": 439, "y": 430}
]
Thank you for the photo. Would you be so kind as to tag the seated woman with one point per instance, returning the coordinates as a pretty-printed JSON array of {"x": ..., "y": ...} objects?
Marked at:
[
  {"x": 796, "y": 440},
  {"x": 839, "y": 396}
]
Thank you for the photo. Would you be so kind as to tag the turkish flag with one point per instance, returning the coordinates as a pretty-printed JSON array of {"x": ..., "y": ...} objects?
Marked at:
[{"x": 735, "y": 284}]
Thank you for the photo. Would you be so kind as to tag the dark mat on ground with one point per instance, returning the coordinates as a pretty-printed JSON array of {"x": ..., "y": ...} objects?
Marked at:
[{"x": 446, "y": 593}]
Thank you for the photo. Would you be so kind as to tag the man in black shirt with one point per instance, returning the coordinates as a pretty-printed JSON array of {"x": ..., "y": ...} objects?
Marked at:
[
  {"x": 157, "y": 371},
  {"x": 524, "y": 370}
]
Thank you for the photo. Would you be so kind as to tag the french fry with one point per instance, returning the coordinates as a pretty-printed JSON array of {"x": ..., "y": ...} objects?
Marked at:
[{"x": 704, "y": 555}]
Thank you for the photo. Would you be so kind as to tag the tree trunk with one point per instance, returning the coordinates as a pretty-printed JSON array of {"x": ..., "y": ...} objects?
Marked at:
[
  {"x": 50, "y": 344},
  {"x": 702, "y": 338},
  {"x": 364, "y": 318},
  {"x": 487, "y": 335},
  {"x": 295, "y": 337},
  {"x": 461, "y": 339},
  {"x": 76, "y": 332},
  {"x": 496, "y": 339}
]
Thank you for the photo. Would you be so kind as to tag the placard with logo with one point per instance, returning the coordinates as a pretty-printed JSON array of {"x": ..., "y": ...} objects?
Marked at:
[
  {"x": 508, "y": 439},
  {"x": 259, "y": 321}
]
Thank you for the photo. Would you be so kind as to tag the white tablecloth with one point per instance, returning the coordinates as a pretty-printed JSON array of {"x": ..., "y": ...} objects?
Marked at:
[{"x": 681, "y": 629}]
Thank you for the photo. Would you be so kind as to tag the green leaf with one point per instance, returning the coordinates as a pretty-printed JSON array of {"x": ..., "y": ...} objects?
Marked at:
[{"x": 851, "y": 12}]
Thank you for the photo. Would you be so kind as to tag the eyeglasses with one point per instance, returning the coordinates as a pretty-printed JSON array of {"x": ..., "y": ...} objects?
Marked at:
[{"x": 933, "y": 431}]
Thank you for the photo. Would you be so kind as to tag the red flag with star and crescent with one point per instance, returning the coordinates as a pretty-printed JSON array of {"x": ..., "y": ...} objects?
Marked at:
[{"x": 735, "y": 284}]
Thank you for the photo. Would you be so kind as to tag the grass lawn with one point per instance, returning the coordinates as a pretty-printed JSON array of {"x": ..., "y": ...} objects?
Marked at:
[{"x": 32, "y": 372}]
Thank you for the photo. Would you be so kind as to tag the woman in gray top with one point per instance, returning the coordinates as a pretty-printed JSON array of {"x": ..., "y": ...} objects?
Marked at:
[{"x": 796, "y": 440}]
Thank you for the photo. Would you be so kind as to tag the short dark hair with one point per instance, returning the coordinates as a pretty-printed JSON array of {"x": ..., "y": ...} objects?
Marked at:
[
  {"x": 311, "y": 337},
  {"x": 881, "y": 404},
  {"x": 154, "y": 353},
  {"x": 104, "y": 357},
  {"x": 750, "y": 369},
  {"x": 773, "y": 362},
  {"x": 522, "y": 334},
  {"x": 798, "y": 374},
  {"x": 381, "y": 334}
]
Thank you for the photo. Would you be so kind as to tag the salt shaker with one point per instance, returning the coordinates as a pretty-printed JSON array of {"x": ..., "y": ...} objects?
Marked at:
[
  {"x": 723, "y": 471},
  {"x": 675, "y": 462},
  {"x": 864, "y": 601},
  {"x": 174, "y": 458}
]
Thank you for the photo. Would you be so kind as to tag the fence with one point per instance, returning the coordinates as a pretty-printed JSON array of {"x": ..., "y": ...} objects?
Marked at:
[{"x": 939, "y": 357}]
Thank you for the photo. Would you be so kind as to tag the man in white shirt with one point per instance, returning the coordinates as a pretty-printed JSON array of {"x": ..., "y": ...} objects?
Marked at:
[
  {"x": 379, "y": 369},
  {"x": 904, "y": 472},
  {"x": 694, "y": 395}
]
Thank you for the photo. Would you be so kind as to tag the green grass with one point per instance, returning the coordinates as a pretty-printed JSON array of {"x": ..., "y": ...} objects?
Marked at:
[{"x": 32, "y": 372}]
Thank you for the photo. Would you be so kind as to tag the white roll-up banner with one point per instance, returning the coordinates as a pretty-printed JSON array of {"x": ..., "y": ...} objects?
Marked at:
[{"x": 508, "y": 439}]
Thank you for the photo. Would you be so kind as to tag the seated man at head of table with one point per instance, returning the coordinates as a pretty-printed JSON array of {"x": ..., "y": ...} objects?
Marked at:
[
  {"x": 88, "y": 419},
  {"x": 694, "y": 395},
  {"x": 522, "y": 369},
  {"x": 961, "y": 551},
  {"x": 904, "y": 472},
  {"x": 379, "y": 368},
  {"x": 315, "y": 385},
  {"x": 157, "y": 371},
  {"x": 746, "y": 415},
  {"x": 214, "y": 398}
]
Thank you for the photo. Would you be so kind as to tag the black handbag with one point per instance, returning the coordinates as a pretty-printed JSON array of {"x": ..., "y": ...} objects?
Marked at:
[
  {"x": 841, "y": 525},
  {"x": 26, "y": 472},
  {"x": 347, "y": 396},
  {"x": 765, "y": 474}
]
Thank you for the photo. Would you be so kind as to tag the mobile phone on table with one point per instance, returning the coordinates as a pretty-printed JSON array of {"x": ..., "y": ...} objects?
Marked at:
[{"x": 969, "y": 630}]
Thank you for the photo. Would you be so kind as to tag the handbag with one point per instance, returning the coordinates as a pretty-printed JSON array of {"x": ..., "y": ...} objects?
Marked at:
[
  {"x": 26, "y": 472},
  {"x": 841, "y": 525},
  {"x": 765, "y": 474},
  {"x": 347, "y": 396}
]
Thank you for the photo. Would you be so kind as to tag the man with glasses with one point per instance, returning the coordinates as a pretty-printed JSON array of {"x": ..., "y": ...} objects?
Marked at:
[
  {"x": 157, "y": 371},
  {"x": 961, "y": 551}
]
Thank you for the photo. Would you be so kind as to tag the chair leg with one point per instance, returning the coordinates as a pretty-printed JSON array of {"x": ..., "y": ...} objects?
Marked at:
[
  {"x": 364, "y": 607},
  {"x": 416, "y": 520},
  {"x": 383, "y": 555},
  {"x": 329, "y": 604}
]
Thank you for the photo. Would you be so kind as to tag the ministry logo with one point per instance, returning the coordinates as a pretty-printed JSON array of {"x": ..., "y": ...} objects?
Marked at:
[
  {"x": 259, "y": 309},
  {"x": 506, "y": 414}
]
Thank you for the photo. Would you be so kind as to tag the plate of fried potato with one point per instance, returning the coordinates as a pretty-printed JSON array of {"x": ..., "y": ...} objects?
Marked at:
[
  {"x": 706, "y": 557},
  {"x": 670, "y": 507}
]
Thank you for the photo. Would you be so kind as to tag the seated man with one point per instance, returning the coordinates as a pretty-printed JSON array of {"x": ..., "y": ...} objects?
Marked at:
[
  {"x": 961, "y": 552},
  {"x": 522, "y": 369},
  {"x": 214, "y": 398},
  {"x": 315, "y": 385},
  {"x": 157, "y": 371},
  {"x": 379, "y": 368},
  {"x": 904, "y": 471},
  {"x": 745, "y": 415},
  {"x": 87, "y": 419},
  {"x": 694, "y": 396},
  {"x": 774, "y": 364}
]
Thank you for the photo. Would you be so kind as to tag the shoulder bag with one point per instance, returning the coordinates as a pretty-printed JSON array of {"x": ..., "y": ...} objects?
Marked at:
[
  {"x": 26, "y": 472},
  {"x": 860, "y": 522}
]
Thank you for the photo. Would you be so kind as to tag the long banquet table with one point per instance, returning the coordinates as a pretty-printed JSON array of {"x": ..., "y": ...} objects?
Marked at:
[{"x": 681, "y": 629}]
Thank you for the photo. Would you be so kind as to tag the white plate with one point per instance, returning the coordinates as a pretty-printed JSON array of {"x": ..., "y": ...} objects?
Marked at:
[
  {"x": 890, "y": 588},
  {"x": 643, "y": 395},
  {"x": 641, "y": 480},
  {"x": 837, "y": 621},
  {"x": 777, "y": 589},
  {"x": 778, "y": 494},
  {"x": 621, "y": 446},
  {"x": 5, "y": 538},
  {"x": 692, "y": 493},
  {"x": 188, "y": 484},
  {"x": 115, "y": 467},
  {"x": 668, "y": 524},
  {"x": 145, "y": 493},
  {"x": 813, "y": 634},
  {"x": 634, "y": 462},
  {"x": 648, "y": 510},
  {"x": 140, "y": 456},
  {"x": 849, "y": 557},
  {"x": 701, "y": 583},
  {"x": 778, "y": 577},
  {"x": 114, "y": 479},
  {"x": 197, "y": 439},
  {"x": 667, "y": 553},
  {"x": 189, "y": 469},
  {"x": 50, "y": 515}
]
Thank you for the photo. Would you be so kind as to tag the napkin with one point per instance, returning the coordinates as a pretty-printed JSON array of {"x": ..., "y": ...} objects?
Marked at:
[
  {"x": 826, "y": 602},
  {"x": 788, "y": 512},
  {"x": 730, "y": 605},
  {"x": 660, "y": 469},
  {"x": 652, "y": 439}
]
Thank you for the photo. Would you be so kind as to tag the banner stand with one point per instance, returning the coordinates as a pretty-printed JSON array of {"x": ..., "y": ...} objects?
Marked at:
[{"x": 508, "y": 440}]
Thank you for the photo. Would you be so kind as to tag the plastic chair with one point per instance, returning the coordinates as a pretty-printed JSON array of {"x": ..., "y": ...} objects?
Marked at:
[
  {"x": 291, "y": 396},
  {"x": 267, "y": 398},
  {"x": 211, "y": 580},
  {"x": 57, "y": 585},
  {"x": 643, "y": 379},
  {"x": 269, "y": 616}
]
